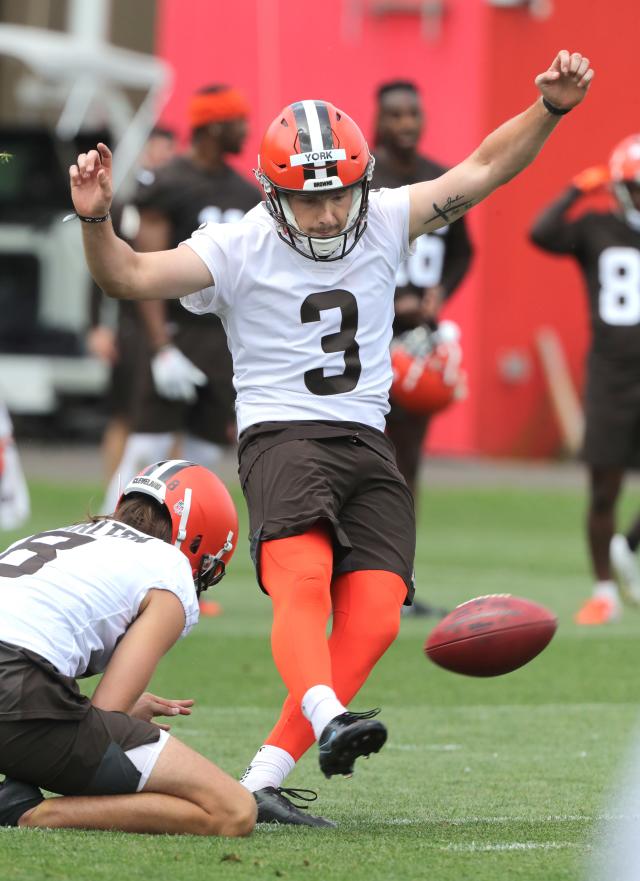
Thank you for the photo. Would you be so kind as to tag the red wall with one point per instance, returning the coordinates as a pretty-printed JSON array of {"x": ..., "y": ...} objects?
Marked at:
[
  {"x": 477, "y": 72},
  {"x": 520, "y": 288}
]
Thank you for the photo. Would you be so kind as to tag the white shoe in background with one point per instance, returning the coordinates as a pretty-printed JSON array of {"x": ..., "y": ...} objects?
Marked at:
[{"x": 627, "y": 571}]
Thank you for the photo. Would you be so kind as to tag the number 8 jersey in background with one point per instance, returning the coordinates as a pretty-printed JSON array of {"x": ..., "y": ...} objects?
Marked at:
[
  {"x": 309, "y": 339},
  {"x": 608, "y": 252}
]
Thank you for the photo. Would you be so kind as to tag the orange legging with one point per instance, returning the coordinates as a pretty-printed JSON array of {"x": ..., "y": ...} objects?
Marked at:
[{"x": 366, "y": 604}]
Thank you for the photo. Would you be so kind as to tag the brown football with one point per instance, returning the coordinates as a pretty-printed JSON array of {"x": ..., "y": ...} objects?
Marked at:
[{"x": 491, "y": 635}]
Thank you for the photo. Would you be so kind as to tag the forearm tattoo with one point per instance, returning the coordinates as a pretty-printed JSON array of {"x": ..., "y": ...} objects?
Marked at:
[{"x": 454, "y": 206}]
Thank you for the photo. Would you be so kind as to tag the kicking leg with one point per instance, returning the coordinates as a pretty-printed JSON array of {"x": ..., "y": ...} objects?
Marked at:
[
  {"x": 296, "y": 573},
  {"x": 366, "y": 618}
]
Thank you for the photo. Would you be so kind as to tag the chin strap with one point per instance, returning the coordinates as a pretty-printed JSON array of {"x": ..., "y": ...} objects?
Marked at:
[{"x": 184, "y": 517}]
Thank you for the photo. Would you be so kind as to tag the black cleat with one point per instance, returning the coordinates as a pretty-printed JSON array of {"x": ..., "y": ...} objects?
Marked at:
[
  {"x": 274, "y": 807},
  {"x": 348, "y": 736},
  {"x": 15, "y": 799}
]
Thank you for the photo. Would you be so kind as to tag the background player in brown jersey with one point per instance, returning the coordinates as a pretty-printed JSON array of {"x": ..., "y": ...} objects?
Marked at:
[
  {"x": 606, "y": 246},
  {"x": 441, "y": 259},
  {"x": 118, "y": 342},
  {"x": 188, "y": 387},
  {"x": 430, "y": 276}
]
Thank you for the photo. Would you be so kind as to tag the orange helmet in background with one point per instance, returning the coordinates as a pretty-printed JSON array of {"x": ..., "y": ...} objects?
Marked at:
[
  {"x": 312, "y": 147},
  {"x": 204, "y": 520},
  {"x": 427, "y": 372},
  {"x": 624, "y": 167}
]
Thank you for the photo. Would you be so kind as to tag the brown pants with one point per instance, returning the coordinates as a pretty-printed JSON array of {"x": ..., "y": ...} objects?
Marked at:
[
  {"x": 348, "y": 479},
  {"x": 52, "y": 736}
]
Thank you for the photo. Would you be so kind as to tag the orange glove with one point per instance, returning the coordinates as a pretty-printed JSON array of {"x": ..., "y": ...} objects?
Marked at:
[{"x": 592, "y": 178}]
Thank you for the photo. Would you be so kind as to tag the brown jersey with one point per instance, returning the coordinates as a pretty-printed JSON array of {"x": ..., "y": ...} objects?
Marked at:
[
  {"x": 608, "y": 252},
  {"x": 439, "y": 258},
  {"x": 190, "y": 196}
]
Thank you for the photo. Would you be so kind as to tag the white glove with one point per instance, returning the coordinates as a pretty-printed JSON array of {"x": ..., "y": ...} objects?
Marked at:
[
  {"x": 174, "y": 376},
  {"x": 448, "y": 332}
]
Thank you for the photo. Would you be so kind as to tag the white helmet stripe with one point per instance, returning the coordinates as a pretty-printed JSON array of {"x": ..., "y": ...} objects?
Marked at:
[
  {"x": 166, "y": 470},
  {"x": 315, "y": 132},
  {"x": 153, "y": 480}
]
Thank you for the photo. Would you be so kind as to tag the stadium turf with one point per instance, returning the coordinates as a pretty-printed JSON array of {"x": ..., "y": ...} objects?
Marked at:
[{"x": 491, "y": 780}]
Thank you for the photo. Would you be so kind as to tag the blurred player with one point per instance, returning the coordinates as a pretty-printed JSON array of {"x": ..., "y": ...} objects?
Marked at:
[
  {"x": 123, "y": 349},
  {"x": 606, "y": 247},
  {"x": 14, "y": 493},
  {"x": 430, "y": 275},
  {"x": 111, "y": 596},
  {"x": 440, "y": 261},
  {"x": 305, "y": 288},
  {"x": 189, "y": 386}
]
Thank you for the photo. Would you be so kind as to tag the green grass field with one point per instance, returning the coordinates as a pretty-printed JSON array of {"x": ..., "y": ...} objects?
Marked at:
[{"x": 484, "y": 780}]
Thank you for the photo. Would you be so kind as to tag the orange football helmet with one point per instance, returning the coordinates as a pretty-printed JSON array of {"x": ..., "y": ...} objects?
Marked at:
[
  {"x": 203, "y": 516},
  {"x": 312, "y": 147},
  {"x": 624, "y": 165},
  {"x": 427, "y": 372}
]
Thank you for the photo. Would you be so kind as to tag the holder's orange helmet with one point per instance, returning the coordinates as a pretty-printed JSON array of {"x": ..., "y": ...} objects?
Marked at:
[
  {"x": 312, "y": 147},
  {"x": 204, "y": 520},
  {"x": 624, "y": 167}
]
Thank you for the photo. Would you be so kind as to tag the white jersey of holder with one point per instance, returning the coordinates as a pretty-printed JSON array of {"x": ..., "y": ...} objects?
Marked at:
[
  {"x": 309, "y": 340},
  {"x": 70, "y": 594}
]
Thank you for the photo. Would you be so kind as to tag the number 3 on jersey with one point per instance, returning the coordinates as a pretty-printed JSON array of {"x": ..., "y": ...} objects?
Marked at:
[
  {"x": 343, "y": 341},
  {"x": 619, "y": 272}
]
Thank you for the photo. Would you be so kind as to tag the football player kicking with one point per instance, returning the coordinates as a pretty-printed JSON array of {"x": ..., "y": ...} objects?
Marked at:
[
  {"x": 606, "y": 246},
  {"x": 304, "y": 286},
  {"x": 111, "y": 596}
]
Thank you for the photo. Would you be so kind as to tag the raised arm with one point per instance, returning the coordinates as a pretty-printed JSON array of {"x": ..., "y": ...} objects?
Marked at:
[
  {"x": 505, "y": 152},
  {"x": 552, "y": 230},
  {"x": 120, "y": 271}
]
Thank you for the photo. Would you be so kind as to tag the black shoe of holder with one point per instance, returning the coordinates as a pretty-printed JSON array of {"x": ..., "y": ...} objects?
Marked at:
[
  {"x": 347, "y": 737},
  {"x": 15, "y": 799},
  {"x": 275, "y": 807}
]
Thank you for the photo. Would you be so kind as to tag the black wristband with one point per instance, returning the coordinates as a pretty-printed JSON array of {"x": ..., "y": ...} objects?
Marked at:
[
  {"x": 553, "y": 110},
  {"x": 102, "y": 219},
  {"x": 73, "y": 216}
]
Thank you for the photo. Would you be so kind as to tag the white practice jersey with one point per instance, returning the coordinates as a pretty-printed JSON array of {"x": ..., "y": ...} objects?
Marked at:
[
  {"x": 70, "y": 594},
  {"x": 309, "y": 340}
]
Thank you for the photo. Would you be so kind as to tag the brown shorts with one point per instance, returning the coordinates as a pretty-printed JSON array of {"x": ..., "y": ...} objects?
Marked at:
[
  {"x": 213, "y": 411},
  {"x": 52, "y": 736},
  {"x": 612, "y": 409},
  {"x": 297, "y": 474}
]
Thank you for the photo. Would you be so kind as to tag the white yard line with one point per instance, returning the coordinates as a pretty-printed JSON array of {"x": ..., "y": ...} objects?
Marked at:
[
  {"x": 473, "y": 847},
  {"x": 497, "y": 821}
]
